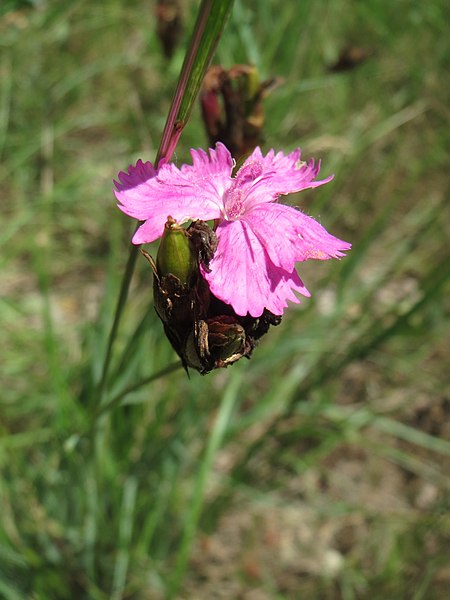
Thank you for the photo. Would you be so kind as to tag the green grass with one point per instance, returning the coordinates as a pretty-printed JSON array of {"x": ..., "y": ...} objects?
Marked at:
[{"x": 317, "y": 470}]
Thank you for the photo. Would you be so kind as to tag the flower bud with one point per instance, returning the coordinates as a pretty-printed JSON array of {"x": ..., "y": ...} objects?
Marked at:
[{"x": 176, "y": 255}]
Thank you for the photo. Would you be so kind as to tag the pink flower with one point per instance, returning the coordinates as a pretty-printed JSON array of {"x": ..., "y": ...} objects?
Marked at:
[{"x": 259, "y": 240}]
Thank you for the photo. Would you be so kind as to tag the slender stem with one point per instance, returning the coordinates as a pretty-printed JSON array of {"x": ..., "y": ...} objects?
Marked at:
[
  {"x": 173, "y": 126},
  {"x": 121, "y": 301},
  {"x": 210, "y": 22}
]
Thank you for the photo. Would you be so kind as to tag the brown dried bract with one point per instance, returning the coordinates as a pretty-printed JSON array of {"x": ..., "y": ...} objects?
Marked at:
[{"x": 232, "y": 107}]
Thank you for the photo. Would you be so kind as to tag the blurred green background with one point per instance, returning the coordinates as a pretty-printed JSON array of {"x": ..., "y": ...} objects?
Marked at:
[{"x": 320, "y": 468}]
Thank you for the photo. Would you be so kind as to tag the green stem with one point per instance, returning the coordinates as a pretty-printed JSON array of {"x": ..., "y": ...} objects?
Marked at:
[
  {"x": 211, "y": 19},
  {"x": 126, "y": 280}
]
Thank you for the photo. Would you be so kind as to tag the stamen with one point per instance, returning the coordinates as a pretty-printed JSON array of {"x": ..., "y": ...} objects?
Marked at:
[{"x": 234, "y": 206}]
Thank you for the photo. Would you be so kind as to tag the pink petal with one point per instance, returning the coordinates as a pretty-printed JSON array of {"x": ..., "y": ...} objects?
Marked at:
[
  {"x": 264, "y": 178},
  {"x": 192, "y": 192},
  {"x": 202, "y": 182},
  {"x": 287, "y": 284},
  {"x": 289, "y": 236},
  {"x": 217, "y": 165},
  {"x": 243, "y": 275},
  {"x": 135, "y": 175}
]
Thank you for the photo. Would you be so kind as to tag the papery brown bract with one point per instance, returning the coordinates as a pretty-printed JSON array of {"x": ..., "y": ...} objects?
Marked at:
[{"x": 232, "y": 107}]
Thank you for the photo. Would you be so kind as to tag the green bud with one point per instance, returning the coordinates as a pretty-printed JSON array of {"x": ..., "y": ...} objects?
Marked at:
[{"x": 175, "y": 254}]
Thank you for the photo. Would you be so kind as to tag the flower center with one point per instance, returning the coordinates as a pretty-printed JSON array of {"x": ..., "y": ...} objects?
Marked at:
[
  {"x": 236, "y": 200},
  {"x": 233, "y": 204}
]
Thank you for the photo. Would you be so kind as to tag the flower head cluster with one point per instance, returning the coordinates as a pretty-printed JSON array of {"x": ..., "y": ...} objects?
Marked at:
[{"x": 259, "y": 240}]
